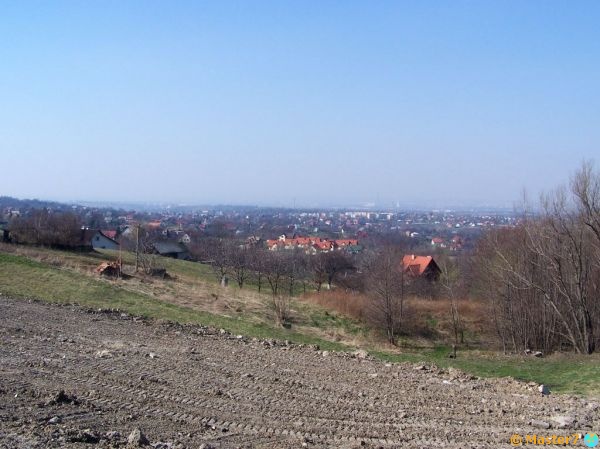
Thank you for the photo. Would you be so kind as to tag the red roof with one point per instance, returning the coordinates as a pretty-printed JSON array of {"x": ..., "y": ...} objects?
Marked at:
[
  {"x": 325, "y": 245},
  {"x": 109, "y": 234},
  {"x": 316, "y": 242},
  {"x": 416, "y": 265},
  {"x": 302, "y": 240},
  {"x": 346, "y": 242}
]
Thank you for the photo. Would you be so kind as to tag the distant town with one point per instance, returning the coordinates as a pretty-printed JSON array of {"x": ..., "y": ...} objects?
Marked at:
[{"x": 276, "y": 229}]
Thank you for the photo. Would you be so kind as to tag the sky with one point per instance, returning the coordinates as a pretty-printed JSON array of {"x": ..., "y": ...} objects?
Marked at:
[{"x": 282, "y": 103}]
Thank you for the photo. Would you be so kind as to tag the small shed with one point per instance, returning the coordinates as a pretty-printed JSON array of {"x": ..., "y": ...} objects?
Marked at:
[{"x": 171, "y": 249}]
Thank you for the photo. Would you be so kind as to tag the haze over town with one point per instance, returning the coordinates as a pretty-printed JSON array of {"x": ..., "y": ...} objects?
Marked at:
[{"x": 320, "y": 105}]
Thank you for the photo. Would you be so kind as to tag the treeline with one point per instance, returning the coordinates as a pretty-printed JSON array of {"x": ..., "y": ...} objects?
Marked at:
[
  {"x": 15, "y": 203},
  {"x": 376, "y": 273},
  {"x": 542, "y": 279},
  {"x": 43, "y": 228},
  {"x": 281, "y": 273}
]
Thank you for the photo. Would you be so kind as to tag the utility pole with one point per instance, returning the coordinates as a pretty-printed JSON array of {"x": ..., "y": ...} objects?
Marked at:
[
  {"x": 120, "y": 256},
  {"x": 137, "y": 247}
]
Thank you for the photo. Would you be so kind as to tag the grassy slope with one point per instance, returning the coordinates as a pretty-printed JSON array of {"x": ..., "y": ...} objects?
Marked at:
[
  {"x": 566, "y": 373},
  {"x": 26, "y": 278}
]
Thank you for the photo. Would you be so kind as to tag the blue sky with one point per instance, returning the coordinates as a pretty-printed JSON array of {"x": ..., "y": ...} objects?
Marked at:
[{"x": 321, "y": 103}]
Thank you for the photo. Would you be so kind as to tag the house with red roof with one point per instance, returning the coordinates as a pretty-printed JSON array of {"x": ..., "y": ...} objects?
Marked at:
[
  {"x": 341, "y": 243},
  {"x": 438, "y": 241},
  {"x": 153, "y": 225},
  {"x": 323, "y": 245},
  {"x": 421, "y": 267},
  {"x": 111, "y": 234},
  {"x": 311, "y": 244}
]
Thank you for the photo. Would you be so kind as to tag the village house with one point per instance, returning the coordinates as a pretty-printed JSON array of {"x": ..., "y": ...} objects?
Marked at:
[
  {"x": 100, "y": 240},
  {"x": 421, "y": 267},
  {"x": 171, "y": 249},
  {"x": 312, "y": 245},
  {"x": 153, "y": 225},
  {"x": 438, "y": 241},
  {"x": 111, "y": 234},
  {"x": 456, "y": 243},
  {"x": 91, "y": 239}
]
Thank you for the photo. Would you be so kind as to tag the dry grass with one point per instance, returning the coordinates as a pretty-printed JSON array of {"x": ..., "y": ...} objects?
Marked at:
[
  {"x": 350, "y": 304},
  {"x": 193, "y": 286},
  {"x": 423, "y": 319}
]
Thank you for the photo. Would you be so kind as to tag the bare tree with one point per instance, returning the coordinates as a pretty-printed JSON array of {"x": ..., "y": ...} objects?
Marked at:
[
  {"x": 335, "y": 263},
  {"x": 543, "y": 276},
  {"x": 449, "y": 281},
  {"x": 585, "y": 185},
  {"x": 53, "y": 229},
  {"x": 257, "y": 259},
  {"x": 238, "y": 258},
  {"x": 276, "y": 269},
  {"x": 385, "y": 287},
  {"x": 564, "y": 250},
  {"x": 296, "y": 268},
  {"x": 214, "y": 252},
  {"x": 146, "y": 257},
  {"x": 317, "y": 265}
]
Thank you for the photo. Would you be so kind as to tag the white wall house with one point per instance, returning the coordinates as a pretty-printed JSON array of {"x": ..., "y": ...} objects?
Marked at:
[{"x": 100, "y": 241}]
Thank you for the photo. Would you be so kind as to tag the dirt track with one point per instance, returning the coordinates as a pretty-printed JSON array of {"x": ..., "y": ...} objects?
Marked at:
[{"x": 192, "y": 386}]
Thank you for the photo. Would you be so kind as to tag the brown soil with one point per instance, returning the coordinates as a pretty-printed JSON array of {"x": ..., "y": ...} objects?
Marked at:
[{"x": 192, "y": 387}]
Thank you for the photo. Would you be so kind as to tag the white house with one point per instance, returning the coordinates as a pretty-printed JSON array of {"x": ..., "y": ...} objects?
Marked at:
[{"x": 100, "y": 241}]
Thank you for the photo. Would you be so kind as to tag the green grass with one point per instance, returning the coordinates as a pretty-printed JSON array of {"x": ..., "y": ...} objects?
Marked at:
[
  {"x": 173, "y": 266},
  {"x": 21, "y": 277},
  {"x": 203, "y": 272},
  {"x": 324, "y": 319},
  {"x": 566, "y": 373}
]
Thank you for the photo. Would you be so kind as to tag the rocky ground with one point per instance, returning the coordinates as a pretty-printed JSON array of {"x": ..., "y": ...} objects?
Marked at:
[{"x": 75, "y": 378}]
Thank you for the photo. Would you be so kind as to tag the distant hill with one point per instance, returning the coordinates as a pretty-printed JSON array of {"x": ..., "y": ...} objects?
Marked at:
[{"x": 15, "y": 203}]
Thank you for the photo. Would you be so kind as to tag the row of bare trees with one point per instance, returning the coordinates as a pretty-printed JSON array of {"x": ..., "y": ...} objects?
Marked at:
[
  {"x": 377, "y": 273},
  {"x": 283, "y": 273},
  {"x": 543, "y": 278},
  {"x": 277, "y": 270},
  {"x": 53, "y": 229}
]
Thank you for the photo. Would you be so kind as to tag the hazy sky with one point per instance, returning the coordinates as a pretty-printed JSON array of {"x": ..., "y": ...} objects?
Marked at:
[{"x": 314, "y": 101}]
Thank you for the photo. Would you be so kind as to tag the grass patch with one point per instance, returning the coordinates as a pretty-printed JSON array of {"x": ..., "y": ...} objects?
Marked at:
[
  {"x": 21, "y": 277},
  {"x": 565, "y": 373}
]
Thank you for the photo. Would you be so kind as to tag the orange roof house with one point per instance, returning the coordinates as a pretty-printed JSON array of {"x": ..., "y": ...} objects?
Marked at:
[
  {"x": 273, "y": 244},
  {"x": 155, "y": 224},
  {"x": 110, "y": 234},
  {"x": 346, "y": 242},
  {"x": 310, "y": 244},
  {"x": 323, "y": 245},
  {"x": 420, "y": 266}
]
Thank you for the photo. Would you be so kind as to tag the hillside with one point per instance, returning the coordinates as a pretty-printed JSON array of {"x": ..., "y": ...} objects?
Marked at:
[
  {"x": 188, "y": 386},
  {"x": 193, "y": 296}
]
